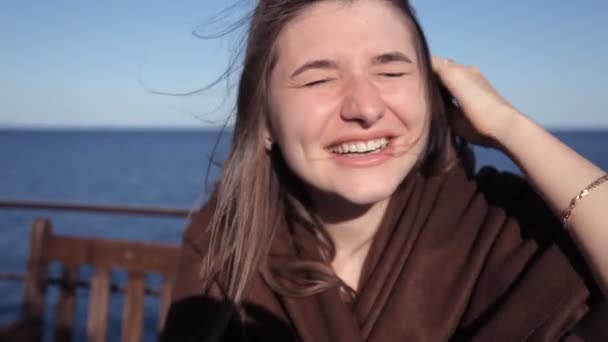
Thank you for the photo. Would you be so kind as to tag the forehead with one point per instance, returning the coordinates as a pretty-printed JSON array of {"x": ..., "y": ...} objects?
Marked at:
[{"x": 339, "y": 26}]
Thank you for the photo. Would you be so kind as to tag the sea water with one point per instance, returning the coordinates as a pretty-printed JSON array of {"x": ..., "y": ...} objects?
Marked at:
[{"x": 148, "y": 168}]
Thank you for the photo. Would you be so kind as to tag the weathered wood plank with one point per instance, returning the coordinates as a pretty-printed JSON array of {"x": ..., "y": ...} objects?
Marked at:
[
  {"x": 37, "y": 273},
  {"x": 164, "y": 301},
  {"x": 67, "y": 303},
  {"x": 133, "y": 314},
  {"x": 137, "y": 256},
  {"x": 97, "y": 323}
]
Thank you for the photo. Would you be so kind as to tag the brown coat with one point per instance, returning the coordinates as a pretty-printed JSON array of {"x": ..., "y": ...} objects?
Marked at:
[{"x": 456, "y": 258}]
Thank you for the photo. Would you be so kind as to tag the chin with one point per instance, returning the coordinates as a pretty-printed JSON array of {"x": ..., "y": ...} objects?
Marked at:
[{"x": 368, "y": 194}]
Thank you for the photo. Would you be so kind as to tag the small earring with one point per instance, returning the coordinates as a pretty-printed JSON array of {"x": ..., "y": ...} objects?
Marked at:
[{"x": 268, "y": 145}]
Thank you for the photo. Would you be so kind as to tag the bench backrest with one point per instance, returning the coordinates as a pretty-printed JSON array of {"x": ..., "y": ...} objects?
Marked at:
[{"x": 103, "y": 255}]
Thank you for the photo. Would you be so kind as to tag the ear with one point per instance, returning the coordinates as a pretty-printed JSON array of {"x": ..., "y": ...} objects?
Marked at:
[{"x": 268, "y": 141}]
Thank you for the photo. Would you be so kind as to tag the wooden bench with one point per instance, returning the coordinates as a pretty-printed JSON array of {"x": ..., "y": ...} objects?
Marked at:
[{"x": 138, "y": 259}]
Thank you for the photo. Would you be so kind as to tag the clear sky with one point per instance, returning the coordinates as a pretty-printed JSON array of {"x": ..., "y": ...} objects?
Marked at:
[{"x": 93, "y": 63}]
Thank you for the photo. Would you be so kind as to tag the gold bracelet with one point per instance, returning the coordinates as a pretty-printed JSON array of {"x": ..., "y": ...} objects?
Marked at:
[{"x": 586, "y": 191}]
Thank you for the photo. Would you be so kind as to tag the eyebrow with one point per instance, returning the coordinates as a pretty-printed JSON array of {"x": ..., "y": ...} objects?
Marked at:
[
  {"x": 384, "y": 58},
  {"x": 316, "y": 64},
  {"x": 389, "y": 57}
]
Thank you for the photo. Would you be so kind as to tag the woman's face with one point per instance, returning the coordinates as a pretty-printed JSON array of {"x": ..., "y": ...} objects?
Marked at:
[{"x": 347, "y": 100}]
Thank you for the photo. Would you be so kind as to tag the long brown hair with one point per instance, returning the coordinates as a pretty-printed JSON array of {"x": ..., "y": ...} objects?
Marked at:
[{"x": 255, "y": 193}]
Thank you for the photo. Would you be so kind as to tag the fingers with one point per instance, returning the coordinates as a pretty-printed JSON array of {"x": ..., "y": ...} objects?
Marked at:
[{"x": 440, "y": 63}]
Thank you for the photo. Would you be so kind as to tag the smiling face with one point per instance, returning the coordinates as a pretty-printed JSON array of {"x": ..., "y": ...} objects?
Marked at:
[{"x": 347, "y": 99}]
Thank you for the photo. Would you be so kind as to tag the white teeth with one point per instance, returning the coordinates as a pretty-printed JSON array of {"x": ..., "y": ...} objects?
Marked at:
[{"x": 360, "y": 146}]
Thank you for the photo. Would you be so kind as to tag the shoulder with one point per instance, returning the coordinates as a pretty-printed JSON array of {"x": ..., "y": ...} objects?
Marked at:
[
  {"x": 196, "y": 234},
  {"x": 530, "y": 260},
  {"x": 192, "y": 250},
  {"x": 519, "y": 200},
  {"x": 501, "y": 187}
]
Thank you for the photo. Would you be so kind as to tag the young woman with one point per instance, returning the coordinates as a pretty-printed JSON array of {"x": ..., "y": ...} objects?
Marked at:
[{"x": 349, "y": 210}]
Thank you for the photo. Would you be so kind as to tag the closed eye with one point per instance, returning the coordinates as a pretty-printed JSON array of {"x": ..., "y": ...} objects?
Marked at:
[
  {"x": 393, "y": 74},
  {"x": 317, "y": 82}
]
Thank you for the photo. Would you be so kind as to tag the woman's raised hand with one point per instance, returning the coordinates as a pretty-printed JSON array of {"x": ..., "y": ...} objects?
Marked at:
[{"x": 483, "y": 116}]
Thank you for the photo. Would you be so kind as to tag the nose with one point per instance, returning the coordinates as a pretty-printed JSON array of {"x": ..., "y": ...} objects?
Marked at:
[{"x": 363, "y": 103}]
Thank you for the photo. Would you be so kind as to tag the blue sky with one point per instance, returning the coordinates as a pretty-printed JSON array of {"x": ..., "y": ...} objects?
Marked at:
[{"x": 85, "y": 63}]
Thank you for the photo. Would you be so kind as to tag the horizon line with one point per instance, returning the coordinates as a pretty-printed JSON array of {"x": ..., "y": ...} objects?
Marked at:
[{"x": 152, "y": 128}]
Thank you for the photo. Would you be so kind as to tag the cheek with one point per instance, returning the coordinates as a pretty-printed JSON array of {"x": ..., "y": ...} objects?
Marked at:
[
  {"x": 298, "y": 120},
  {"x": 408, "y": 101}
]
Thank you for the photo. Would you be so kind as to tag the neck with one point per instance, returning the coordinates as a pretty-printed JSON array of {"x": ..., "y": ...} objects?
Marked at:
[
  {"x": 352, "y": 229},
  {"x": 351, "y": 226}
]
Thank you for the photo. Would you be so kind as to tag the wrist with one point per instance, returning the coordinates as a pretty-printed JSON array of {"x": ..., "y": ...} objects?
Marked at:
[{"x": 515, "y": 129}]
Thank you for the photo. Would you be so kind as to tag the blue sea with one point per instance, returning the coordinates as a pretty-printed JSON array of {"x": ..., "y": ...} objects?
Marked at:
[{"x": 147, "y": 168}]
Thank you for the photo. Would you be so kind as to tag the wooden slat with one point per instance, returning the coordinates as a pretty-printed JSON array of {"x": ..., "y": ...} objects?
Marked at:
[
  {"x": 37, "y": 273},
  {"x": 137, "y": 256},
  {"x": 67, "y": 303},
  {"x": 164, "y": 302},
  {"x": 97, "y": 323},
  {"x": 132, "y": 320}
]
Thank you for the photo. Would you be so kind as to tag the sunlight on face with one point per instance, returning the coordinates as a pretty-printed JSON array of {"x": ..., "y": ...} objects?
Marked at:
[{"x": 348, "y": 109}]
